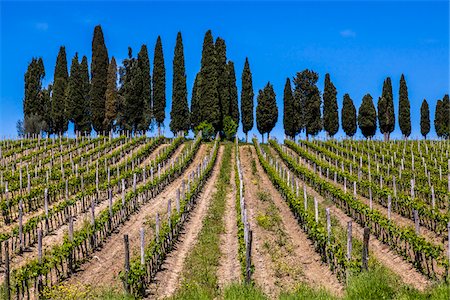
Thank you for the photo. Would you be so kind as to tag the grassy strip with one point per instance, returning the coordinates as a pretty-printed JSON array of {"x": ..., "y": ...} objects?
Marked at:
[{"x": 200, "y": 275}]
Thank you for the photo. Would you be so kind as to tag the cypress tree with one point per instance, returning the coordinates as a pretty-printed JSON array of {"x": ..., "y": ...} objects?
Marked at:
[
  {"x": 222, "y": 80},
  {"x": 84, "y": 121},
  {"x": 159, "y": 85},
  {"x": 307, "y": 99},
  {"x": 99, "y": 74},
  {"x": 209, "y": 98},
  {"x": 33, "y": 87},
  {"x": 46, "y": 108},
  {"x": 195, "y": 116},
  {"x": 330, "y": 108},
  {"x": 232, "y": 91},
  {"x": 146, "y": 93},
  {"x": 348, "y": 116},
  {"x": 386, "y": 115},
  {"x": 367, "y": 117},
  {"x": 111, "y": 95},
  {"x": 404, "y": 110},
  {"x": 424, "y": 119},
  {"x": 288, "y": 110},
  {"x": 442, "y": 118},
  {"x": 59, "y": 113},
  {"x": 266, "y": 111},
  {"x": 75, "y": 98},
  {"x": 247, "y": 99},
  {"x": 179, "y": 115}
]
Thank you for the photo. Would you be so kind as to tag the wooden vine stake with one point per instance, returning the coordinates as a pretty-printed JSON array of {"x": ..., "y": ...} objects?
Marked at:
[
  {"x": 47, "y": 229},
  {"x": 71, "y": 240},
  {"x": 416, "y": 221},
  {"x": 127, "y": 262},
  {"x": 316, "y": 210},
  {"x": 327, "y": 210},
  {"x": 40, "y": 260},
  {"x": 21, "y": 225},
  {"x": 389, "y": 206},
  {"x": 142, "y": 246},
  {"x": 365, "y": 250},
  {"x": 7, "y": 271},
  {"x": 248, "y": 260}
]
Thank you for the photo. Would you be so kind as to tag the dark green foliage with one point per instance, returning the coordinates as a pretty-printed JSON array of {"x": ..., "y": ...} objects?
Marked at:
[
  {"x": 146, "y": 93},
  {"x": 47, "y": 108},
  {"x": 20, "y": 128},
  {"x": 131, "y": 104},
  {"x": 33, "y": 85},
  {"x": 330, "y": 107},
  {"x": 348, "y": 116},
  {"x": 34, "y": 124},
  {"x": 195, "y": 116},
  {"x": 424, "y": 118},
  {"x": 247, "y": 99},
  {"x": 209, "y": 97},
  {"x": 60, "y": 79},
  {"x": 111, "y": 95},
  {"x": 386, "y": 115},
  {"x": 404, "y": 109},
  {"x": 367, "y": 117},
  {"x": 288, "y": 110},
  {"x": 159, "y": 85},
  {"x": 99, "y": 74},
  {"x": 229, "y": 127},
  {"x": 179, "y": 115},
  {"x": 442, "y": 118},
  {"x": 77, "y": 104},
  {"x": 233, "y": 93},
  {"x": 307, "y": 100},
  {"x": 266, "y": 110},
  {"x": 207, "y": 130},
  {"x": 222, "y": 80},
  {"x": 85, "y": 124}
]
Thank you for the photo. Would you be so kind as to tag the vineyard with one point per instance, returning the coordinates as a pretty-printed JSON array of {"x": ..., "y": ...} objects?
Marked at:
[{"x": 154, "y": 217}]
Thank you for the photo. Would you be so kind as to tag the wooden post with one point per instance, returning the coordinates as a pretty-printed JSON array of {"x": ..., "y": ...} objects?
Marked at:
[
  {"x": 370, "y": 197},
  {"x": 365, "y": 252},
  {"x": 327, "y": 210},
  {"x": 349, "y": 240},
  {"x": 416, "y": 221},
  {"x": 7, "y": 271},
  {"x": 40, "y": 259},
  {"x": 21, "y": 225},
  {"x": 316, "y": 210},
  {"x": 157, "y": 227},
  {"x": 345, "y": 184},
  {"x": 127, "y": 262},
  {"x": 142, "y": 246},
  {"x": 71, "y": 240},
  {"x": 389, "y": 206},
  {"x": 395, "y": 186},
  {"x": 248, "y": 259},
  {"x": 433, "y": 199},
  {"x": 178, "y": 200},
  {"x": 354, "y": 188},
  {"x": 46, "y": 209},
  {"x": 305, "y": 197}
]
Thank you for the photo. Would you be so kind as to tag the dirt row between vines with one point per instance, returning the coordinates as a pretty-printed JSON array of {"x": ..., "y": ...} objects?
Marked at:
[
  {"x": 429, "y": 235},
  {"x": 169, "y": 279},
  {"x": 104, "y": 267},
  {"x": 380, "y": 251},
  {"x": 284, "y": 257},
  {"x": 57, "y": 236}
]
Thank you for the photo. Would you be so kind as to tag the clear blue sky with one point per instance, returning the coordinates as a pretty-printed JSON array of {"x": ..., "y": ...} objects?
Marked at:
[{"x": 358, "y": 43}]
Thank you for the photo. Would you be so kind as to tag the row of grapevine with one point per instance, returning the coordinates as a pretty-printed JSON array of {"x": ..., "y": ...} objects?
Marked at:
[
  {"x": 62, "y": 259},
  {"x": 426, "y": 257},
  {"x": 143, "y": 268}
]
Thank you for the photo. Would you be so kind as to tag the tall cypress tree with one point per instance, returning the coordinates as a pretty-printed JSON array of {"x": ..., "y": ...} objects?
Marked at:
[
  {"x": 308, "y": 101},
  {"x": 75, "y": 98},
  {"x": 222, "y": 80},
  {"x": 111, "y": 95},
  {"x": 209, "y": 97},
  {"x": 424, "y": 119},
  {"x": 195, "y": 116},
  {"x": 442, "y": 118},
  {"x": 266, "y": 111},
  {"x": 46, "y": 108},
  {"x": 159, "y": 85},
  {"x": 233, "y": 93},
  {"x": 59, "y": 113},
  {"x": 367, "y": 117},
  {"x": 99, "y": 74},
  {"x": 288, "y": 110},
  {"x": 247, "y": 99},
  {"x": 330, "y": 108},
  {"x": 179, "y": 115},
  {"x": 404, "y": 110},
  {"x": 386, "y": 115},
  {"x": 146, "y": 95},
  {"x": 348, "y": 116},
  {"x": 85, "y": 120},
  {"x": 33, "y": 87}
]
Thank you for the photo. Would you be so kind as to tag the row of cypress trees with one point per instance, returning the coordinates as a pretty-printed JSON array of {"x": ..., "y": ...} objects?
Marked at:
[{"x": 132, "y": 98}]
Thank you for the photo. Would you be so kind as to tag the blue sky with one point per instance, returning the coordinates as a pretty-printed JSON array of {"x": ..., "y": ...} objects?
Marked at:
[{"x": 359, "y": 43}]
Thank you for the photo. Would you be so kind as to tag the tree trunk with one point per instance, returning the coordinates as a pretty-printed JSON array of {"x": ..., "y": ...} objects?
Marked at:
[
  {"x": 262, "y": 138},
  {"x": 386, "y": 136},
  {"x": 159, "y": 130},
  {"x": 268, "y": 136},
  {"x": 246, "y": 137}
]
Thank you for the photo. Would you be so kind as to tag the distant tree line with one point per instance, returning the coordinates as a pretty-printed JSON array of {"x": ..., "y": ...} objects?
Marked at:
[{"x": 131, "y": 97}]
